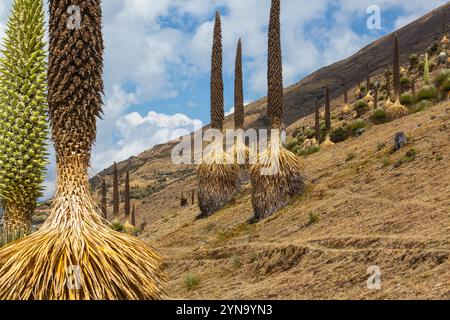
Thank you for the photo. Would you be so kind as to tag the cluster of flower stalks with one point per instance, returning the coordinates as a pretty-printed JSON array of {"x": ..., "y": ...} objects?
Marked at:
[{"x": 218, "y": 181}]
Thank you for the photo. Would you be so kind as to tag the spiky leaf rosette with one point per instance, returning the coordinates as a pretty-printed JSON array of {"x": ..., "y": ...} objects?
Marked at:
[
  {"x": 217, "y": 180},
  {"x": 238, "y": 90},
  {"x": 23, "y": 114},
  {"x": 217, "y": 99},
  {"x": 284, "y": 179},
  {"x": 275, "y": 69},
  {"x": 75, "y": 242}
]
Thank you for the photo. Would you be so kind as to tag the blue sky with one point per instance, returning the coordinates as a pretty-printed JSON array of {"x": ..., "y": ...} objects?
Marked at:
[{"x": 158, "y": 53}]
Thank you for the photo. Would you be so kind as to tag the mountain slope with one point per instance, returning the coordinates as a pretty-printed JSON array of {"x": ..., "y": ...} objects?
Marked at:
[
  {"x": 369, "y": 214},
  {"x": 370, "y": 211}
]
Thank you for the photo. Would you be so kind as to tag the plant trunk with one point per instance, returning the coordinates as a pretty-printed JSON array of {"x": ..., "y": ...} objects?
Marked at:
[
  {"x": 396, "y": 69},
  {"x": 327, "y": 111},
  {"x": 104, "y": 200},
  {"x": 115, "y": 191},
  {"x": 127, "y": 194},
  {"x": 317, "y": 122}
]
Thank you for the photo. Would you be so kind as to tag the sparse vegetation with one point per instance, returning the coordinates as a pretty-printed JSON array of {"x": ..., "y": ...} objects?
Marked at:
[
  {"x": 304, "y": 152},
  {"x": 421, "y": 106},
  {"x": 409, "y": 156},
  {"x": 427, "y": 92},
  {"x": 313, "y": 218},
  {"x": 406, "y": 99},
  {"x": 378, "y": 116},
  {"x": 191, "y": 281},
  {"x": 237, "y": 263},
  {"x": 350, "y": 156},
  {"x": 361, "y": 107}
]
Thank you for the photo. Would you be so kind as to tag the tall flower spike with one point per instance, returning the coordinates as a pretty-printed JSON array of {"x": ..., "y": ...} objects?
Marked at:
[
  {"x": 217, "y": 99},
  {"x": 396, "y": 68},
  {"x": 238, "y": 89},
  {"x": 275, "y": 69}
]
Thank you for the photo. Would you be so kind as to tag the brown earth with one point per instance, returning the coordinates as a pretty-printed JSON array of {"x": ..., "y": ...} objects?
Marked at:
[{"x": 371, "y": 211}]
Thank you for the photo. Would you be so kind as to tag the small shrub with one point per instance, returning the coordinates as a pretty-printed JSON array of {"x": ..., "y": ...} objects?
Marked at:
[
  {"x": 381, "y": 146},
  {"x": 410, "y": 156},
  {"x": 350, "y": 156},
  {"x": 413, "y": 59},
  {"x": 411, "y": 153},
  {"x": 361, "y": 107},
  {"x": 442, "y": 82},
  {"x": 293, "y": 144},
  {"x": 421, "y": 105},
  {"x": 356, "y": 125},
  {"x": 386, "y": 161},
  {"x": 379, "y": 115},
  {"x": 313, "y": 218},
  {"x": 117, "y": 226},
  {"x": 338, "y": 135},
  {"x": 191, "y": 281},
  {"x": 304, "y": 152},
  {"x": 406, "y": 99},
  {"x": 237, "y": 263},
  {"x": 426, "y": 93},
  {"x": 433, "y": 48},
  {"x": 405, "y": 81},
  {"x": 439, "y": 157}
]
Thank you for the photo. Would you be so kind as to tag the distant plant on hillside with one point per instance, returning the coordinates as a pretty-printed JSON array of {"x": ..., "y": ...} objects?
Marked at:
[
  {"x": 426, "y": 70},
  {"x": 421, "y": 106},
  {"x": 115, "y": 190},
  {"x": 413, "y": 60},
  {"x": 387, "y": 75},
  {"x": 442, "y": 83},
  {"x": 317, "y": 127},
  {"x": 396, "y": 68},
  {"x": 427, "y": 92},
  {"x": 406, "y": 99},
  {"x": 327, "y": 110},
  {"x": 191, "y": 281},
  {"x": 104, "y": 199},
  {"x": 126, "y": 195},
  {"x": 361, "y": 107},
  {"x": 378, "y": 116}
]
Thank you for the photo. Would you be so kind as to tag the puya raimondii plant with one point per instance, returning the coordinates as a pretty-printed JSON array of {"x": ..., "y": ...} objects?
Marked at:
[{"x": 23, "y": 114}]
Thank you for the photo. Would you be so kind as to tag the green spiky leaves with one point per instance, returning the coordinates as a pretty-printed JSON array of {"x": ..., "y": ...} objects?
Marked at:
[{"x": 23, "y": 106}]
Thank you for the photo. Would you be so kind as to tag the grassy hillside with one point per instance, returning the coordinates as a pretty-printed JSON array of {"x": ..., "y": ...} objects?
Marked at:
[{"x": 369, "y": 212}]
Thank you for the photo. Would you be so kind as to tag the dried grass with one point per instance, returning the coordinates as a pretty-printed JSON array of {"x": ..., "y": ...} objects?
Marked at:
[
  {"x": 272, "y": 192},
  {"x": 113, "y": 266},
  {"x": 396, "y": 110},
  {"x": 217, "y": 181},
  {"x": 327, "y": 143}
]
